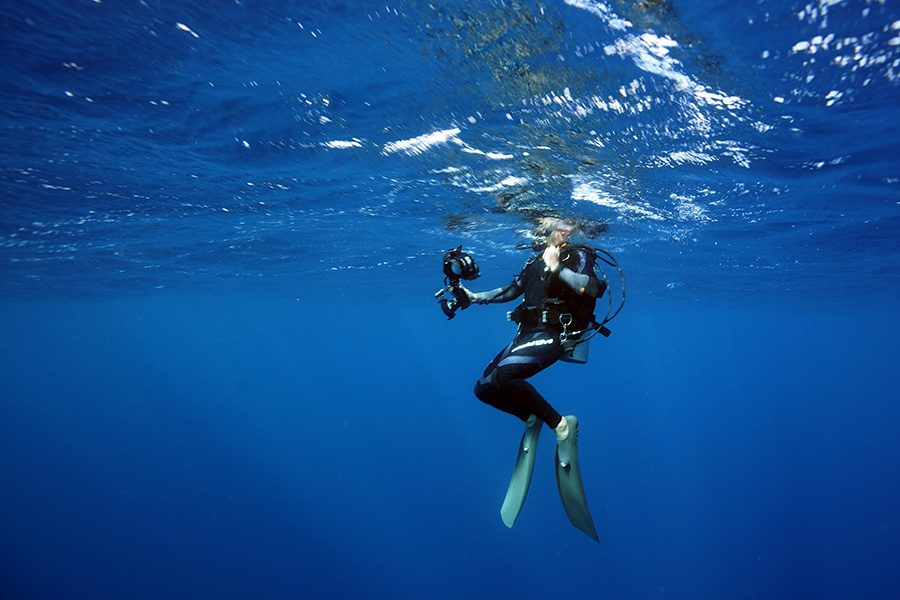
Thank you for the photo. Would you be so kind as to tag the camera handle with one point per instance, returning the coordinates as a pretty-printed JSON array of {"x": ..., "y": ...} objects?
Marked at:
[{"x": 459, "y": 301}]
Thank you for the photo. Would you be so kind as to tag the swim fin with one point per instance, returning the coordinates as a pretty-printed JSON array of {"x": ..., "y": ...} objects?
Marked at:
[
  {"x": 568, "y": 480},
  {"x": 521, "y": 477}
]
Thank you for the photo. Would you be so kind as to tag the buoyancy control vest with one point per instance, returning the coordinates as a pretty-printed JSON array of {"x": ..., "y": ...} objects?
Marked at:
[{"x": 549, "y": 301}]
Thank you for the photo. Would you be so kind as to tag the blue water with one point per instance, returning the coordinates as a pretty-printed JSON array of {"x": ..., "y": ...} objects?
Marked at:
[{"x": 224, "y": 372}]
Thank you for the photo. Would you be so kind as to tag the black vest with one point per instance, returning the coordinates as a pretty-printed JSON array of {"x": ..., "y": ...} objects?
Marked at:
[{"x": 547, "y": 296}]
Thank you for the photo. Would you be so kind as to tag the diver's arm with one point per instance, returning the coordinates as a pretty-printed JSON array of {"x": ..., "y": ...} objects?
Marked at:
[
  {"x": 578, "y": 280},
  {"x": 502, "y": 294},
  {"x": 581, "y": 283}
]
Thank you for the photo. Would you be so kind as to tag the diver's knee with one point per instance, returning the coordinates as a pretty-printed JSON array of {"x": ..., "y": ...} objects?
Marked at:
[{"x": 486, "y": 387}]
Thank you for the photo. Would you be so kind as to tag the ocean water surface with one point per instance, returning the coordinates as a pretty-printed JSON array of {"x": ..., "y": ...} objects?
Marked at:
[{"x": 224, "y": 370}]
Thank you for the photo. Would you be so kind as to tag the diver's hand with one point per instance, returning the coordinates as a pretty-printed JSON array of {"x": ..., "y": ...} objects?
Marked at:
[
  {"x": 470, "y": 295},
  {"x": 551, "y": 257}
]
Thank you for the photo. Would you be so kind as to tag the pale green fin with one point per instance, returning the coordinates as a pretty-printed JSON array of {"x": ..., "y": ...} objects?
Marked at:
[
  {"x": 568, "y": 479},
  {"x": 521, "y": 477}
]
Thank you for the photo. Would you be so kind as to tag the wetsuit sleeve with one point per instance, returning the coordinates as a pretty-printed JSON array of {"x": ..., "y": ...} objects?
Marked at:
[{"x": 578, "y": 274}]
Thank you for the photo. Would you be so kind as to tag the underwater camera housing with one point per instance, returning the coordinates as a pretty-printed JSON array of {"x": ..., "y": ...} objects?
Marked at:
[{"x": 457, "y": 266}]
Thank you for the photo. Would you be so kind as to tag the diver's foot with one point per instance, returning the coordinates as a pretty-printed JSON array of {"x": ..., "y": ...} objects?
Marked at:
[
  {"x": 565, "y": 445},
  {"x": 562, "y": 430}
]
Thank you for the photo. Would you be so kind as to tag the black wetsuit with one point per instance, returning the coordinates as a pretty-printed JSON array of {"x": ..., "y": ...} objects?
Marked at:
[{"x": 549, "y": 300}]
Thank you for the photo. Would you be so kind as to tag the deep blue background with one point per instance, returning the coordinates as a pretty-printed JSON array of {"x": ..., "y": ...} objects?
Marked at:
[
  {"x": 206, "y": 447},
  {"x": 223, "y": 373}
]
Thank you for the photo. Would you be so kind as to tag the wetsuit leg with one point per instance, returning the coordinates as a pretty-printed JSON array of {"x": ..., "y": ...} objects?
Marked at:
[{"x": 503, "y": 384}]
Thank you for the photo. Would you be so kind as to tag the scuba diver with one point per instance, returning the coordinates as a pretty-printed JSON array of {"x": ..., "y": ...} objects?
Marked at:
[{"x": 560, "y": 289}]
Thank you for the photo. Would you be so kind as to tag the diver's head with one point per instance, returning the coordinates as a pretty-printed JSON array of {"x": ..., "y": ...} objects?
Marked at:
[{"x": 556, "y": 231}]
